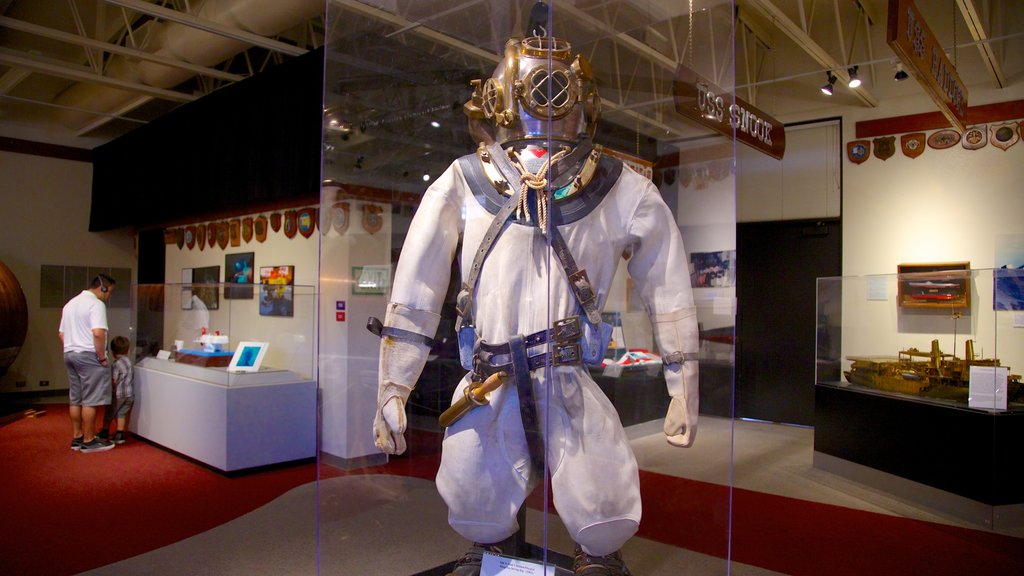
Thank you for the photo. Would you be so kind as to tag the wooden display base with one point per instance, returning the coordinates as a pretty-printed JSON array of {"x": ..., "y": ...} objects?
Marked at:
[{"x": 204, "y": 359}]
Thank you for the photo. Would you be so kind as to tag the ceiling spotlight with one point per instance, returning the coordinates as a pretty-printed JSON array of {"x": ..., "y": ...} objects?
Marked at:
[
  {"x": 901, "y": 74},
  {"x": 435, "y": 124},
  {"x": 827, "y": 88},
  {"x": 854, "y": 79}
]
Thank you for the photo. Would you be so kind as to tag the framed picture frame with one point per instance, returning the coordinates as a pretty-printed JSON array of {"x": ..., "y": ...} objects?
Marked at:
[
  {"x": 371, "y": 280},
  {"x": 186, "y": 290},
  {"x": 277, "y": 296},
  {"x": 940, "y": 285},
  {"x": 239, "y": 269},
  {"x": 248, "y": 357},
  {"x": 206, "y": 285}
]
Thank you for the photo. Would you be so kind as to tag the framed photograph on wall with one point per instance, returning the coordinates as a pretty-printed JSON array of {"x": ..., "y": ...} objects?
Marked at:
[
  {"x": 277, "y": 297},
  {"x": 371, "y": 279},
  {"x": 1009, "y": 273},
  {"x": 239, "y": 269},
  {"x": 206, "y": 285},
  {"x": 186, "y": 290},
  {"x": 942, "y": 285},
  {"x": 713, "y": 269}
]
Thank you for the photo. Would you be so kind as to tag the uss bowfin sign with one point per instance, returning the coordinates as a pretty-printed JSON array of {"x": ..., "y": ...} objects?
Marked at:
[
  {"x": 910, "y": 38},
  {"x": 698, "y": 99}
]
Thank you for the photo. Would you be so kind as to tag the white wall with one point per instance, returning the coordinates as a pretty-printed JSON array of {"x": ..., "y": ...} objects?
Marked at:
[
  {"x": 944, "y": 206},
  {"x": 292, "y": 338},
  {"x": 805, "y": 184},
  {"x": 45, "y": 220},
  {"x": 348, "y": 351}
]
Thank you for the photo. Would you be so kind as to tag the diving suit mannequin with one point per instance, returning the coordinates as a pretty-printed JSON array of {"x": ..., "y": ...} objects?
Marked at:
[{"x": 539, "y": 248}]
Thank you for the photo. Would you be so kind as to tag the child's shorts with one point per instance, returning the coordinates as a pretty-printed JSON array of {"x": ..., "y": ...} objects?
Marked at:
[{"x": 122, "y": 406}]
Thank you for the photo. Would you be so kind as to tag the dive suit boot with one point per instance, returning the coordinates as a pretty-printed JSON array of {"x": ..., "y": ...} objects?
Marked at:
[
  {"x": 469, "y": 564},
  {"x": 610, "y": 565}
]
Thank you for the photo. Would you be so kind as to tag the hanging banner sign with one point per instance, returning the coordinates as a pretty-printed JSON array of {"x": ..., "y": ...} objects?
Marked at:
[
  {"x": 910, "y": 38},
  {"x": 703, "y": 102}
]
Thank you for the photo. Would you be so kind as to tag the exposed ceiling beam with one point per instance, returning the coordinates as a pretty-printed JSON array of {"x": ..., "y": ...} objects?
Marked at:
[
  {"x": 119, "y": 112},
  {"x": 623, "y": 38},
  {"x": 769, "y": 11},
  {"x": 11, "y": 79},
  {"x": 411, "y": 27},
  {"x": 208, "y": 26},
  {"x": 972, "y": 15},
  {"x": 608, "y": 107},
  {"x": 24, "y": 60},
  {"x": 115, "y": 48}
]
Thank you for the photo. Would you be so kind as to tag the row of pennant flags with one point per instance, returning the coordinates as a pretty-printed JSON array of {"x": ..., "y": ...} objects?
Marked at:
[
  {"x": 1002, "y": 136},
  {"x": 303, "y": 221}
]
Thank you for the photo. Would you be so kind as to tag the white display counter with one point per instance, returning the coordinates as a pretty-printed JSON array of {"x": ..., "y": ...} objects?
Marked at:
[{"x": 230, "y": 421}]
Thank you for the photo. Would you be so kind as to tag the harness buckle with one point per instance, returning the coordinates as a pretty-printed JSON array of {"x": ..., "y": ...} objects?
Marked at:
[
  {"x": 563, "y": 354},
  {"x": 567, "y": 330}
]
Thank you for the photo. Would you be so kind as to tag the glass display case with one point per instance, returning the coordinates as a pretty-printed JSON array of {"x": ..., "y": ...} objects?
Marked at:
[
  {"x": 924, "y": 402},
  {"x": 416, "y": 108},
  {"x": 968, "y": 353},
  {"x": 225, "y": 373}
]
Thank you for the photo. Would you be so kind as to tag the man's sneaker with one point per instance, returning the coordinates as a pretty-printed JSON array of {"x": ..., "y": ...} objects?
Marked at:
[
  {"x": 586, "y": 565},
  {"x": 76, "y": 443},
  {"x": 105, "y": 434},
  {"x": 97, "y": 444},
  {"x": 119, "y": 437}
]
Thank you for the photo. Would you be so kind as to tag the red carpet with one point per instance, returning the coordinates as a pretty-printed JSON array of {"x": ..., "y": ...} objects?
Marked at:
[
  {"x": 60, "y": 511},
  {"x": 64, "y": 512}
]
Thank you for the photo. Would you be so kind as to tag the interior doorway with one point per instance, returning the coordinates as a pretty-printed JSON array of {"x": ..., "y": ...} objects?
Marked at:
[{"x": 777, "y": 267}]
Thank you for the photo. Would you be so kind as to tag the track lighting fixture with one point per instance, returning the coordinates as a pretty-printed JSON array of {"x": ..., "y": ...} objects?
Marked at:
[
  {"x": 827, "y": 88},
  {"x": 901, "y": 74},
  {"x": 854, "y": 79}
]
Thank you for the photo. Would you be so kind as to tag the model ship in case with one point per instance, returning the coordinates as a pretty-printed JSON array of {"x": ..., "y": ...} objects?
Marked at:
[{"x": 931, "y": 373}]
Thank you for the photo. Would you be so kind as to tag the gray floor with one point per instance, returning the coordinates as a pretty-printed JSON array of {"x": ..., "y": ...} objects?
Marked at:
[{"x": 372, "y": 525}]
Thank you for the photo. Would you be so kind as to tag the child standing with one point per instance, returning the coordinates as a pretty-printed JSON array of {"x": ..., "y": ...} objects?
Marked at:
[{"x": 123, "y": 375}]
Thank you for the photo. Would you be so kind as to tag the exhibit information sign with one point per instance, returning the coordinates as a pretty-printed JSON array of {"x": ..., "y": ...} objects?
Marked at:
[
  {"x": 911, "y": 39},
  {"x": 698, "y": 99}
]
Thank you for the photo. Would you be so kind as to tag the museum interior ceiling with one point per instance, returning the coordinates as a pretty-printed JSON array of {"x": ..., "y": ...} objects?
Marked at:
[{"x": 83, "y": 72}]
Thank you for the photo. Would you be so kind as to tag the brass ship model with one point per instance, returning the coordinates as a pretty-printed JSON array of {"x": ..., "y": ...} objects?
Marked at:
[{"x": 933, "y": 373}]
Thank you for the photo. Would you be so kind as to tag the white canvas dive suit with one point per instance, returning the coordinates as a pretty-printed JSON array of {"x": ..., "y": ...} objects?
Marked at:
[{"x": 522, "y": 289}]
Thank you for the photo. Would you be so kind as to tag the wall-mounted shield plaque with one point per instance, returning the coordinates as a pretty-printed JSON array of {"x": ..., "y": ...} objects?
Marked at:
[
  {"x": 1003, "y": 135},
  {"x": 944, "y": 139},
  {"x": 235, "y": 232},
  {"x": 885, "y": 147},
  {"x": 190, "y": 236},
  {"x": 373, "y": 218},
  {"x": 289, "y": 223},
  {"x": 222, "y": 234},
  {"x": 275, "y": 221},
  {"x": 339, "y": 217},
  {"x": 201, "y": 236},
  {"x": 247, "y": 229},
  {"x": 858, "y": 150},
  {"x": 306, "y": 221},
  {"x": 211, "y": 234},
  {"x": 259, "y": 228},
  {"x": 976, "y": 137},
  {"x": 912, "y": 144}
]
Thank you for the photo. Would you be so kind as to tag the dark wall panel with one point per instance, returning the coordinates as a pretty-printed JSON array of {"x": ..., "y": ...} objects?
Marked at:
[{"x": 250, "y": 144}]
